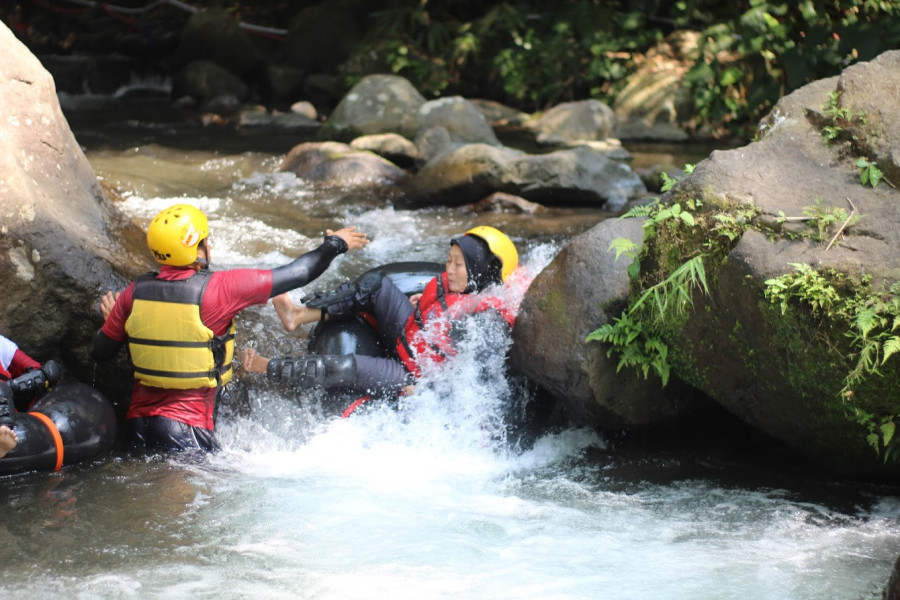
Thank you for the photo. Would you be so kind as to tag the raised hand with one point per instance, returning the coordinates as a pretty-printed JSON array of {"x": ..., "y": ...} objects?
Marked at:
[
  {"x": 356, "y": 240},
  {"x": 107, "y": 301}
]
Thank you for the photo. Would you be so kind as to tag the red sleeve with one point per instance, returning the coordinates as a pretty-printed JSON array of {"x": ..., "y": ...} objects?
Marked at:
[
  {"x": 114, "y": 327},
  {"x": 21, "y": 362},
  {"x": 229, "y": 292}
]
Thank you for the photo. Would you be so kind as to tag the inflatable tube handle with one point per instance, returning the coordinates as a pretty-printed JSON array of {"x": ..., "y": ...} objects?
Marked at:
[{"x": 54, "y": 433}]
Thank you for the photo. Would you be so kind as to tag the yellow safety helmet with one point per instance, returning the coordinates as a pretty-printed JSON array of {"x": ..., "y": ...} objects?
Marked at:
[
  {"x": 175, "y": 233},
  {"x": 501, "y": 246}
]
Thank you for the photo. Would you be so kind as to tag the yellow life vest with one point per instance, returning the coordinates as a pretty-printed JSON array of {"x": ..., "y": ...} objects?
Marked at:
[{"x": 169, "y": 344}]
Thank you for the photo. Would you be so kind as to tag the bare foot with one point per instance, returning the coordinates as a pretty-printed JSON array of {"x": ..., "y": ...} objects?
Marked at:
[
  {"x": 293, "y": 316},
  {"x": 8, "y": 440},
  {"x": 253, "y": 362}
]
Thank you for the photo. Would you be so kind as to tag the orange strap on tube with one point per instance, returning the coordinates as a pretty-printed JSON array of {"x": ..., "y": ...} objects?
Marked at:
[
  {"x": 54, "y": 433},
  {"x": 354, "y": 405}
]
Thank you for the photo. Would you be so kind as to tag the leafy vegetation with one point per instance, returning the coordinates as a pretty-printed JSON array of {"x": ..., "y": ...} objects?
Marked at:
[
  {"x": 536, "y": 53},
  {"x": 869, "y": 173},
  {"x": 639, "y": 336},
  {"x": 871, "y": 325},
  {"x": 822, "y": 221}
]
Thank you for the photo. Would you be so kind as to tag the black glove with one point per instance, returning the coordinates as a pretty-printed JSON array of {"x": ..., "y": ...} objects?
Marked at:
[
  {"x": 36, "y": 381},
  {"x": 7, "y": 406}
]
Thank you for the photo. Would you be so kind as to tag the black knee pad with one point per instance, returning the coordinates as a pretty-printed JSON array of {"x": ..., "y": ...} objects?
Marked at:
[{"x": 367, "y": 285}]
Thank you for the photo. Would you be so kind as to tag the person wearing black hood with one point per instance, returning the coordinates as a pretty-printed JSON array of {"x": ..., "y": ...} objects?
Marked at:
[{"x": 419, "y": 328}]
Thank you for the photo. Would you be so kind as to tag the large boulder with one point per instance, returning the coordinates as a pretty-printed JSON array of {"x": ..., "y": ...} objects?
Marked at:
[
  {"x": 783, "y": 371},
  {"x": 377, "y": 104},
  {"x": 59, "y": 232},
  {"x": 569, "y": 123},
  {"x": 579, "y": 175},
  {"x": 758, "y": 211},
  {"x": 464, "y": 122},
  {"x": 583, "y": 288},
  {"x": 333, "y": 164}
]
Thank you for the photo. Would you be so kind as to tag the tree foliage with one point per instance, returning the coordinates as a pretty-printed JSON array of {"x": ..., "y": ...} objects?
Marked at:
[{"x": 536, "y": 53}]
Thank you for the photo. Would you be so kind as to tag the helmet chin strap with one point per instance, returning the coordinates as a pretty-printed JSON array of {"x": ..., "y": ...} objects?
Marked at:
[{"x": 202, "y": 261}]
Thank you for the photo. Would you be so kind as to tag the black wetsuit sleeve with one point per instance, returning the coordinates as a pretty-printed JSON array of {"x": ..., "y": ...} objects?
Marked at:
[
  {"x": 104, "y": 347},
  {"x": 305, "y": 268}
]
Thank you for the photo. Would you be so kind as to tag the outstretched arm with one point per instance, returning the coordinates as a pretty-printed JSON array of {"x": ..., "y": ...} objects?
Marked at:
[{"x": 305, "y": 268}]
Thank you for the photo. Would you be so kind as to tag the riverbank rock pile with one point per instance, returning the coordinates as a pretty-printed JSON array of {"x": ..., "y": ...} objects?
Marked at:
[
  {"x": 453, "y": 157},
  {"x": 62, "y": 241},
  {"x": 781, "y": 373}
]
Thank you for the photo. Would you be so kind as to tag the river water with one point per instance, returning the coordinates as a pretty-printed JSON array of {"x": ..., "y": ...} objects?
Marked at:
[{"x": 437, "y": 498}]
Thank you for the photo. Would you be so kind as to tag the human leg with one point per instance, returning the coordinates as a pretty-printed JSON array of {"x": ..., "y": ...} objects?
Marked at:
[
  {"x": 381, "y": 375},
  {"x": 363, "y": 374},
  {"x": 161, "y": 433},
  {"x": 391, "y": 309},
  {"x": 293, "y": 316},
  {"x": 348, "y": 298}
]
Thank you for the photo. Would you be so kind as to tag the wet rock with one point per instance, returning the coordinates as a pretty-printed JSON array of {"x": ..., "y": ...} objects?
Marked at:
[
  {"x": 391, "y": 146},
  {"x": 573, "y": 122},
  {"x": 499, "y": 115},
  {"x": 334, "y": 164},
  {"x": 780, "y": 372},
  {"x": 583, "y": 288},
  {"x": 893, "y": 587},
  {"x": 498, "y": 202},
  {"x": 567, "y": 177},
  {"x": 377, "y": 104},
  {"x": 461, "y": 119},
  {"x": 259, "y": 119}
]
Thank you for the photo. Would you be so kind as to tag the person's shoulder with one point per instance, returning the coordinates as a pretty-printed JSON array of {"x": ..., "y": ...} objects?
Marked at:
[{"x": 7, "y": 345}]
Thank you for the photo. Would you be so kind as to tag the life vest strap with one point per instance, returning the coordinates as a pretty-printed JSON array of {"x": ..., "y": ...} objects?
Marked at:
[
  {"x": 169, "y": 343},
  {"x": 212, "y": 373}
]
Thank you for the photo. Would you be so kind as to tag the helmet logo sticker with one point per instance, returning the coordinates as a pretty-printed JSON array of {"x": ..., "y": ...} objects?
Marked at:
[{"x": 191, "y": 236}]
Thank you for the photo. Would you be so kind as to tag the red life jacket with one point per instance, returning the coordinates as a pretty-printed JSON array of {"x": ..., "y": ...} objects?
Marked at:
[{"x": 426, "y": 335}]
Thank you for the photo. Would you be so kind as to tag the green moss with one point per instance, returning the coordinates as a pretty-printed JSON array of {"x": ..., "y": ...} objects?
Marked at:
[
  {"x": 855, "y": 331},
  {"x": 555, "y": 305}
]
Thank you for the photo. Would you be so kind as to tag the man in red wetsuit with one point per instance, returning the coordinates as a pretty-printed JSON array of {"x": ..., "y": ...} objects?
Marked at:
[
  {"x": 178, "y": 324},
  {"x": 421, "y": 330}
]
